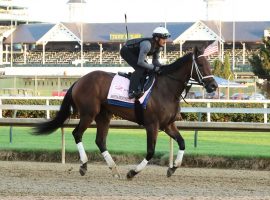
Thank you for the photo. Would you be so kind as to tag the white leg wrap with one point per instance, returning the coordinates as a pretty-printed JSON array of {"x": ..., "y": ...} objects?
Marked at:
[
  {"x": 141, "y": 166},
  {"x": 107, "y": 156},
  {"x": 179, "y": 158},
  {"x": 82, "y": 153}
]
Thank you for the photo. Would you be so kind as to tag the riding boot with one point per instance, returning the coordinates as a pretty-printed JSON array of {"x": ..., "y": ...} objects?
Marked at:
[{"x": 135, "y": 79}]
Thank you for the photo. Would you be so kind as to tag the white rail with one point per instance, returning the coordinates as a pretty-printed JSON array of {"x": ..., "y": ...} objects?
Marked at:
[
  {"x": 240, "y": 126},
  {"x": 209, "y": 109}
]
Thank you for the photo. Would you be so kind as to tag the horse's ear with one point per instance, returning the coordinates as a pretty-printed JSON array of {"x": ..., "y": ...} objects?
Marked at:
[
  {"x": 198, "y": 50},
  {"x": 195, "y": 51}
]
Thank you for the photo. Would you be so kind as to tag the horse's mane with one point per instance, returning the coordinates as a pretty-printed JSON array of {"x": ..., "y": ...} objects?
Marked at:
[{"x": 176, "y": 64}]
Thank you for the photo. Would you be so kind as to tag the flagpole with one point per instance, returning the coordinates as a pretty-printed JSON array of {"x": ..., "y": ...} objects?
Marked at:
[
  {"x": 233, "y": 65},
  {"x": 220, "y": 45},
  {"x": 11, "y": 36},
  {"x": 82, "y": 58}
]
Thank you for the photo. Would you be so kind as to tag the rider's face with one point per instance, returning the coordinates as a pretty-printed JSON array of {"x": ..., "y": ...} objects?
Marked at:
[{"x": 162, "y": 42}]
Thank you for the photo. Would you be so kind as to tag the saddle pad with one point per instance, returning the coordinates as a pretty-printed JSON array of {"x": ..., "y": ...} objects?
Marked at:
[{"x": 118, "y": 93}]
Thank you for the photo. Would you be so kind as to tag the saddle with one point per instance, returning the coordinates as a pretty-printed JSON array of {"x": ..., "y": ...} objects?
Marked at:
[{"x": 145, "y": 83}]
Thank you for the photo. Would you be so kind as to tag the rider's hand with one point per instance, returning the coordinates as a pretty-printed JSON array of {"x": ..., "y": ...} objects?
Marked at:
[{"x": 156, "y": 68}]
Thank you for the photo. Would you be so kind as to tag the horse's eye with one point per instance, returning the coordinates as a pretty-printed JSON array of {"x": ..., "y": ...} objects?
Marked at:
[{"x": 200, "y": 65}]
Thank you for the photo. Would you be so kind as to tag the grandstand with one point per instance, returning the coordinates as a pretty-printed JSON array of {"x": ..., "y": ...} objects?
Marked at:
[
  {"x": 48, "y": 44},
  {"x": 11, "y": 15}
]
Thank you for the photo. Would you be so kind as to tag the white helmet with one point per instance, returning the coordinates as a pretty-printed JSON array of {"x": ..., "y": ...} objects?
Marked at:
[{"x": 161, "y": 32}]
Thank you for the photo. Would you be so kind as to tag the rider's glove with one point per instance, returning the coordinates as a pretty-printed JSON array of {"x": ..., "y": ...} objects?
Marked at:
[{"x": 156, "y": 68}]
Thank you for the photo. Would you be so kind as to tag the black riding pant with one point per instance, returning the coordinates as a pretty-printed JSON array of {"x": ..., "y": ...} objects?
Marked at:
[{"x": 137, "y": 75}]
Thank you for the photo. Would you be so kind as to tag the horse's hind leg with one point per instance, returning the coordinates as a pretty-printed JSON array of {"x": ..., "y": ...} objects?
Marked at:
[
  {"x": 102, "y": 121},
  {"x": 85, "y": 121}
]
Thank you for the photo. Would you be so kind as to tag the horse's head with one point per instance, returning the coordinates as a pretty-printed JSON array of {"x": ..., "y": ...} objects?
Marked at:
[{"x": 201, "y": 71}]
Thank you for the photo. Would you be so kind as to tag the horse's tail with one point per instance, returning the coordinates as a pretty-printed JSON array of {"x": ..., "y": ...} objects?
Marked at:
[{"x": 62, "y": 115}]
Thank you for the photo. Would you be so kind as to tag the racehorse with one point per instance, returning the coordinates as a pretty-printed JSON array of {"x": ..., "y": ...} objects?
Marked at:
[{"x": 88, "y": 97}]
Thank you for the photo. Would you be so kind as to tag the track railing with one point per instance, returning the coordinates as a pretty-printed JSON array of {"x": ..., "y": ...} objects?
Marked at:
[{"x": 183, "y": 125}]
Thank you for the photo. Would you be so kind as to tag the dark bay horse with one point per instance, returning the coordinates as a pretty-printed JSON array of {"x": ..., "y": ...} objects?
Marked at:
[{"x": 88, "y": 97}]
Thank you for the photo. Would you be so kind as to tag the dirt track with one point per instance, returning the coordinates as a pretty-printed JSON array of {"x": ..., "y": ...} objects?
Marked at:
[{"x": 34, "y": 180}]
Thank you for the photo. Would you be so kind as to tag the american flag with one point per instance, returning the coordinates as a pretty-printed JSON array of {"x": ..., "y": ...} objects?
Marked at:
[{"x": 211, "y": 49}]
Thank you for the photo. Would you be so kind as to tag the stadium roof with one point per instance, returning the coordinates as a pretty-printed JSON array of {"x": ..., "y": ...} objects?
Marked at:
[
  {"x": 244, "y": 31},
  {"x": 115, "y": 32},
  {"x": 101, "y": 32},
  {"x": 198, "y": 32},
  {"x": 30, "y": 33}
]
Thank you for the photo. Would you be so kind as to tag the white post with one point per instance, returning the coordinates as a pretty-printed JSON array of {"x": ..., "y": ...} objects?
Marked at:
[
  {"x": 171, "y": 153},
  {"x": 48, "y": 111},
  {"x": 1, "y": 114},
  {"x": 63, "y": 146},
  {"x": 208, "y": 113},
  {"x": 265, "y": 115}
]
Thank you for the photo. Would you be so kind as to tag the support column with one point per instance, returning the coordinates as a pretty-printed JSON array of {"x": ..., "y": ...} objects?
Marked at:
[
  {"x": 181, "y": 47},
  {"x": 100, "y": 53},
  {"x": 7, "y": 53},
  {"x": 24, "y": 53},
  {"x": 1, "y": 50},
  {"x": 244, "y": 53},
  {"x": 43, "y": 52},
  {"x": 82, "y": 57},
  {"x": 120, "y": 58},
  {"x": 11, "y": 43}
]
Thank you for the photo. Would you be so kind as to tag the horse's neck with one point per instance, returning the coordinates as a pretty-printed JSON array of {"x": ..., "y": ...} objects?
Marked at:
[{"x": 176, "y": 80}]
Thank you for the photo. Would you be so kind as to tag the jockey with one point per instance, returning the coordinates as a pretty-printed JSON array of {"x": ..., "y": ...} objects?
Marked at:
[{"x": 135, "y": 52}]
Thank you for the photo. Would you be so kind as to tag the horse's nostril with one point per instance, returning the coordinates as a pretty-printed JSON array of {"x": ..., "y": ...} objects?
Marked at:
[{"x": 211, "y": 87}]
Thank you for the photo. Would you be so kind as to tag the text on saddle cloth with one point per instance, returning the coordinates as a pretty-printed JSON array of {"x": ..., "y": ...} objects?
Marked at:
[{"x": 118, "y": 93}]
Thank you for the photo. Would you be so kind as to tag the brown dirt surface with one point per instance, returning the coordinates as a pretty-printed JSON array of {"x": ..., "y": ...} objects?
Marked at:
[{"x": 49, "y": 181}]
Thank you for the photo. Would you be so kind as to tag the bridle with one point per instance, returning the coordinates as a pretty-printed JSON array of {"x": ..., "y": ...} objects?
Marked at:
[
  {"x": 191, "y": 80},
  {"x": 199, "y": 74}
]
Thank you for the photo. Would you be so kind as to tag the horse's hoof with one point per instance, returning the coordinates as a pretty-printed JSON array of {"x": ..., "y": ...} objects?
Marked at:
[
  {"x": 115, "y": 172},
  {"x": 83, "y": 169},
  {"x": 171, "y": 171},
  {"x": 131, "y": 174}
]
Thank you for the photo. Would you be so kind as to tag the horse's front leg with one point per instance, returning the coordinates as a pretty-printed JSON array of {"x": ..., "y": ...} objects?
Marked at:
[
  {"x": 173, "y": 132},
  {"x": 152, "y": 132}
]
